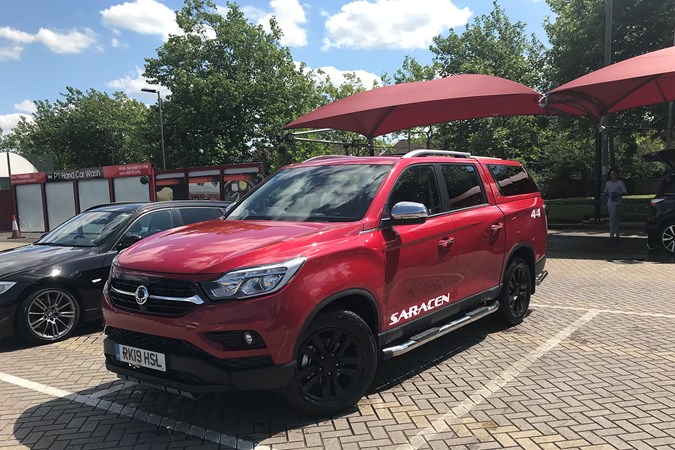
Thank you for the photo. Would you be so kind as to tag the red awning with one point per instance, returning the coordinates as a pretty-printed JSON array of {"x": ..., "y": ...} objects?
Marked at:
[
  {"x": 401, "y": 106},
  {"x": 643, "y": 80}
]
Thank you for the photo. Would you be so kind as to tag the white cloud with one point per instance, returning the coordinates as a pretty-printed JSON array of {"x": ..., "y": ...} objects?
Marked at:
[
  {"x": 337, "y": 76},
  {"x": 290, "y": 16},
  {"x": 133, "y": 83},
  {"x": 12, "y": 52},
  {"x": 391, "y": 24},
  {"x": 143, "y": 17},
  {"x": 9, "y": 121},
  {"x": 116, "y": 43},
  {"x": 73, "y": 41},
  {"x": 26, "y": 106}
]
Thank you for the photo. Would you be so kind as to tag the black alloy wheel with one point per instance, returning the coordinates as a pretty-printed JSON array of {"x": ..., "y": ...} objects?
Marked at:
[
  {"x": 336, "y": 363},
  {"x": 515, "y": 296}
]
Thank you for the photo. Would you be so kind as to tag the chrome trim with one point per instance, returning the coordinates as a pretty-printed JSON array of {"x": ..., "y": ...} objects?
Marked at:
[
  {"x": 540, "y": 278},
  {"x": 436, "y": 332},
  {"x": 197, "y": 300}
]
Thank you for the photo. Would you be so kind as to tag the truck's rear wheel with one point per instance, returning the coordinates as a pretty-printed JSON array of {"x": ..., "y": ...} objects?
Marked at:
[
  {"x": 514, "y": 299},
  {"x": 336, "y": 364}
]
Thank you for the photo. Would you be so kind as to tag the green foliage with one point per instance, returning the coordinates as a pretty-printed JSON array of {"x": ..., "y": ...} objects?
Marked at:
[
  {"x": 492, "y": 45},
  {"x": 233, "y": 87},
  {"x": 85, "y": 129},
  {"x": 577, "y": 47}
]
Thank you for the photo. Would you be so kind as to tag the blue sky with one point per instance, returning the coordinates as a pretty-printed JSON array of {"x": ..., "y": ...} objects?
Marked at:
[{"x": 46, "y": 45}]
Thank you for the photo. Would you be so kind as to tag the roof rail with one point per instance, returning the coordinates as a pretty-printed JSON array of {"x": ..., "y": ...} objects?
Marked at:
[
  {"x": 327, "y": 157},
  {"x": 421, "y": 152}
]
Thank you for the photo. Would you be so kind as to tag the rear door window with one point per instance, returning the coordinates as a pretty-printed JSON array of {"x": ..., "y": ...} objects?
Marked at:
[
  {"x": 512, "y": 180},
  {"x": 463, "y": 185}
]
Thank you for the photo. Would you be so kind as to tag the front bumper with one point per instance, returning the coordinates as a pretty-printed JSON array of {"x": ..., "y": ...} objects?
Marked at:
[{"x": 200, "y": 374}]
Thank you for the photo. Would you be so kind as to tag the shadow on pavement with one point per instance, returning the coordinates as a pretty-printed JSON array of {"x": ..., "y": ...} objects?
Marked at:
[
  {"x": 15, "y": 343},
  {"x": 161, "y": 419},
  {"x": 597, "y": 245}
]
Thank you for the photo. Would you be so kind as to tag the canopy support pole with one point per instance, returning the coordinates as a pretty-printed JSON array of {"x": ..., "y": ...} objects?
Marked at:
[
  {"x": 371, "y": 146},
  {"x": 598, "y": 174}
]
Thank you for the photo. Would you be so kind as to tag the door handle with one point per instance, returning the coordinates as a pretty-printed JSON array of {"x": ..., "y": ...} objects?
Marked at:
[
  {"x": 446, "y": 242},
  {"x": 496, "y": 227}
]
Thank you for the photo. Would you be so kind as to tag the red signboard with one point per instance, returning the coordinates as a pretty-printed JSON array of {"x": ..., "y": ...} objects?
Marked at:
[
  {"x": 28, "y": 178},
  {"x": 128, "y": 170}
]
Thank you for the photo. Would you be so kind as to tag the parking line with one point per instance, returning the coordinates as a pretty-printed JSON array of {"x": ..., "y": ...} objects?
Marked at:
[
  {"x": 608, "y": 311},
  {"x": 454, "y": 416},
  {"x": 134, "y": 413}
]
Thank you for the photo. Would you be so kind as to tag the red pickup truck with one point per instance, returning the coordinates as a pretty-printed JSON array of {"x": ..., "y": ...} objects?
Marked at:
[{"x": 325, "y": 268}]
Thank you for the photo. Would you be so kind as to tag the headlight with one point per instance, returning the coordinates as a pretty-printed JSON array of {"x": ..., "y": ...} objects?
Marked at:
[
  {"x": 6, "y": 286},
  {"x": 253, "y": 281}
]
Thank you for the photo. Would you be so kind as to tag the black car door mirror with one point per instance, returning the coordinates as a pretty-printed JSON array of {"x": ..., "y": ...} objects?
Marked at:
[
  {"x": 127, "y": 241},
  {"x": 408, "y": 213}
]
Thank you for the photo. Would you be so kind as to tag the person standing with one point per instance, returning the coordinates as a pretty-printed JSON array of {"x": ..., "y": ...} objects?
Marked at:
[{"x": 615, "y": 189}]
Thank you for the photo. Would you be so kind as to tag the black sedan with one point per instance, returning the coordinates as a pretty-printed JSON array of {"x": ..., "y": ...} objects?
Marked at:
[{"x": 47, "y": 289}]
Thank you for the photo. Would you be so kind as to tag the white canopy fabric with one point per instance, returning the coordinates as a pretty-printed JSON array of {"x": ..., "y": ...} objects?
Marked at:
[{"x": 18, "y": 163}]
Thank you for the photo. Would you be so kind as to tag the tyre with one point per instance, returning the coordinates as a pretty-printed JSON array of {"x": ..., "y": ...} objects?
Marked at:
[
  {"x": 514, "y": 299},
  {"x": 48, "y": 315},
  {"x": 666, "y": 237},
  {"x": 336, "y": 363}
]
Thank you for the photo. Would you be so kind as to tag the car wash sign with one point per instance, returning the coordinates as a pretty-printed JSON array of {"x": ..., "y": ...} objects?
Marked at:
[{"x": 75, "y": 174}]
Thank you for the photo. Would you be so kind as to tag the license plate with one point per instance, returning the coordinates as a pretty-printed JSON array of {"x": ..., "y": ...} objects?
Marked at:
[{"x": 140, "y": 357}]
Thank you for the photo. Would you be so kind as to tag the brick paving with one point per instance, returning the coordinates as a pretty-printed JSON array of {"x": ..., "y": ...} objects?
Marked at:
[{"x": 593, "y": 366}]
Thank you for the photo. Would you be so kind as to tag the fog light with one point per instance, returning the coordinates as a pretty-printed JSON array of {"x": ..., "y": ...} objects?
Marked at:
[{"x": 248, "y": 338}]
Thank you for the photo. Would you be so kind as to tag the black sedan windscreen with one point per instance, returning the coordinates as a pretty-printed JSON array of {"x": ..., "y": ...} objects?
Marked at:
[
  {"x": 89, "y": 229},
  {"x": 340, "y": 193}
]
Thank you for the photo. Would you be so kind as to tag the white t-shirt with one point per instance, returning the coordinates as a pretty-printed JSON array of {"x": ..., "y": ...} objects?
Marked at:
[{"x": 614, "y": 190}]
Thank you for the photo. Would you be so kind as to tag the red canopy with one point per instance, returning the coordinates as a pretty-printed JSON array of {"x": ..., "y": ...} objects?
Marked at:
[
  {"x": 400, "y": 106},
  {"x": 643, "y": 80}
]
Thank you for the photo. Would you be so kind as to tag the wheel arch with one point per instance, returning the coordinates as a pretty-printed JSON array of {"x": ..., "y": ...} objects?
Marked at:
[
  {"x": 526, "y": 252},
  {"x": 359, "y": 301}
]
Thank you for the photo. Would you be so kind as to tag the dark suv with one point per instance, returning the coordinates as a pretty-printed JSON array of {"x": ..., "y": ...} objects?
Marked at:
[
  {"x": 48, "y": 288},
  {"x": 661, "y": 222},
  {"x": 323, "y": 269}
]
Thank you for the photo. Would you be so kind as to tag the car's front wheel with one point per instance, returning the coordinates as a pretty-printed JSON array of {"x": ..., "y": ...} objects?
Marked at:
[
  {"x": 667, "y": 237},
  {"x": 48, "y": 315},
  {"x": 336, "y": 363}
]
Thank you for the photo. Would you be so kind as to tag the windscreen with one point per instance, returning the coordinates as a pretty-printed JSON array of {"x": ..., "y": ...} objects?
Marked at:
[
  {"x": 340, "y": 193},
  {"x": 89, "y": 229}
]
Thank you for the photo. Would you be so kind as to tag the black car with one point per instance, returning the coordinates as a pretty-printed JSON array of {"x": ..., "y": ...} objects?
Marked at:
[
  {"x": 661, "y": 222},
  {"x": 48, "y": 288}
]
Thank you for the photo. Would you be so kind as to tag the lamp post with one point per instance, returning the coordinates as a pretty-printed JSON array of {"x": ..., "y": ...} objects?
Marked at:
[{"x": 161, "y": 123}]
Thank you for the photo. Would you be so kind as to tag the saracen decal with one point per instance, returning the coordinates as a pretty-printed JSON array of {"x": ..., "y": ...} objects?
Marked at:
[{"x": 416, "y": 310}]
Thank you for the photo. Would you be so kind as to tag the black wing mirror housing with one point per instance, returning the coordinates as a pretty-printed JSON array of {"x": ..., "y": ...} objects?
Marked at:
[{"x": 127, "y": 241}]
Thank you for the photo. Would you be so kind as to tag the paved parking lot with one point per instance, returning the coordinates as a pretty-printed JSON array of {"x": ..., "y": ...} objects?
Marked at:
[{"x": 593, "y": 366}]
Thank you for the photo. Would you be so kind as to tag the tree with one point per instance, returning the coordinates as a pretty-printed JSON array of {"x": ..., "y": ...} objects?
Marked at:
[
  {"x": 577, "y": 36},
  {"x": 85, "y": 130},
  {"x": 493, "y": 45},
  {"x": 233, "y": 86}
]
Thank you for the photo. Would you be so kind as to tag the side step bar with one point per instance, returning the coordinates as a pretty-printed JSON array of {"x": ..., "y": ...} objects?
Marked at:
[
  {"x": 541, "y": 277},
  {"x": 436, "y": 332}
]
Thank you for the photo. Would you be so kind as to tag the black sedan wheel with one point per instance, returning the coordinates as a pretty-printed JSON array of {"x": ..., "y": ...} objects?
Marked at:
[
  {"x": 514, "y": 299},
  {"x": 335, "y": 364},
  {"x": 48, "y": 315}
]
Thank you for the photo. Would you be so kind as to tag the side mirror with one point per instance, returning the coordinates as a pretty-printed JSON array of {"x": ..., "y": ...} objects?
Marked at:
[
  {"x": 408, "y": 213},
  {"x": 127, "y": 241}
]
